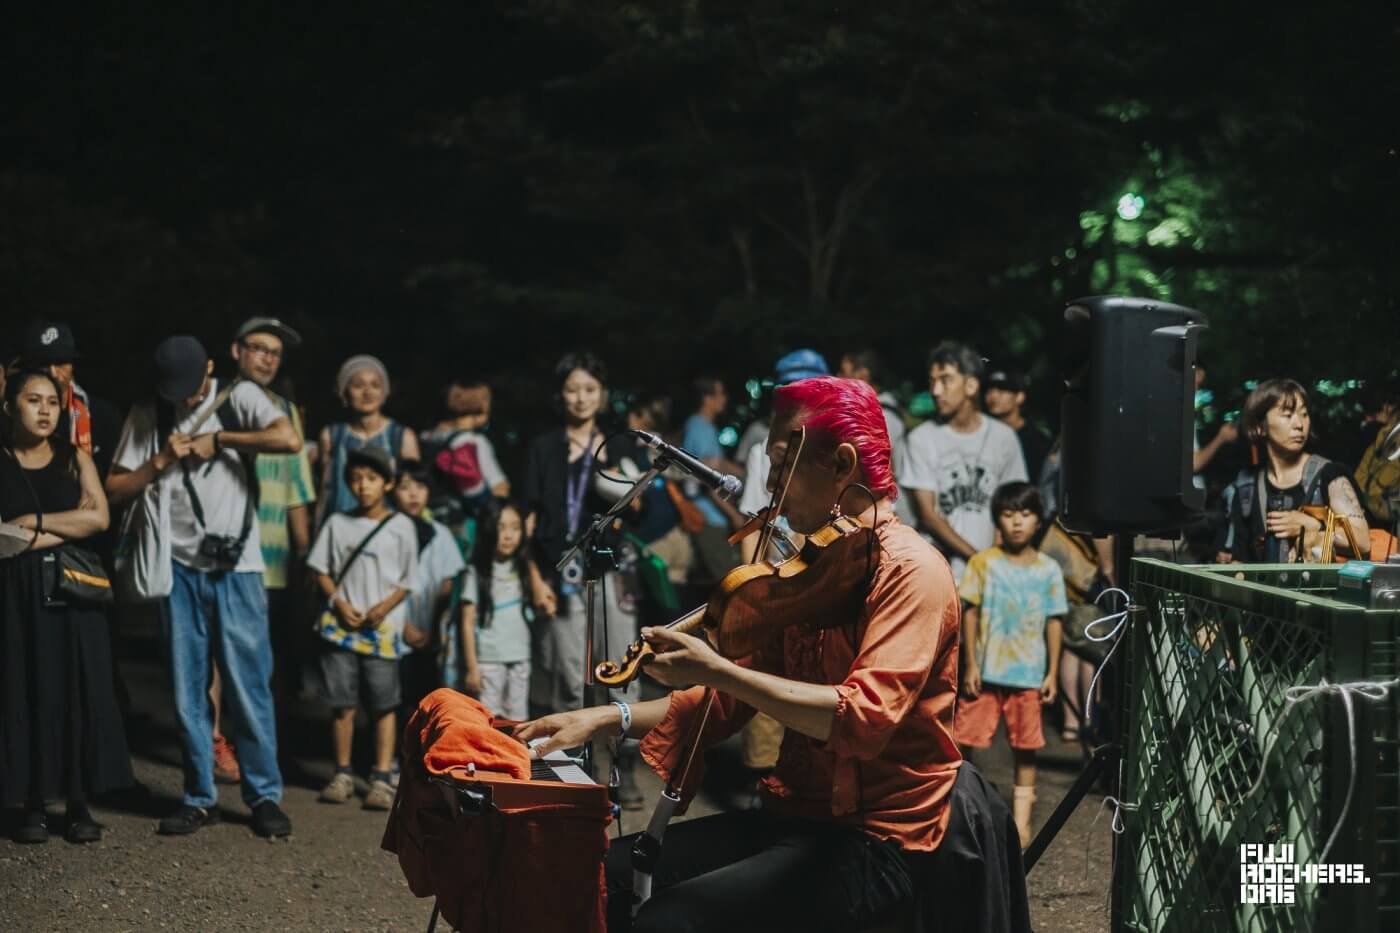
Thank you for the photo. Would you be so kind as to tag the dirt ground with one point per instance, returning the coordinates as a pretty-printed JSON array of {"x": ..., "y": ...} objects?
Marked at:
[{"x": 331, "y": 875}]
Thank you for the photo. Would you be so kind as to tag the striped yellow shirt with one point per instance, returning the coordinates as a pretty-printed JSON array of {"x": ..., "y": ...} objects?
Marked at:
[{"x": 284, "y": 482}]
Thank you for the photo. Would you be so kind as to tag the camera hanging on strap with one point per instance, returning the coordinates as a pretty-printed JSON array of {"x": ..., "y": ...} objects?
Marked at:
[{"x": 225, "y": 551}]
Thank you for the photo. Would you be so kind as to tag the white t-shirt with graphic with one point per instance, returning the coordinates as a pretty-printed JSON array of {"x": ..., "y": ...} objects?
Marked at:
[
  {"x": 964, "y": 471},
  {"x": 219, "y": 484}
]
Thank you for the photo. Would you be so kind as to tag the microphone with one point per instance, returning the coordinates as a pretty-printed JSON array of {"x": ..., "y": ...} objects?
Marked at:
[{"x": 725, "y": 486}]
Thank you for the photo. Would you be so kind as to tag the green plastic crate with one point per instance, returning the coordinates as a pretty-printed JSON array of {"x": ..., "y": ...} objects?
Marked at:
[{"x": 1209, "y": 655}]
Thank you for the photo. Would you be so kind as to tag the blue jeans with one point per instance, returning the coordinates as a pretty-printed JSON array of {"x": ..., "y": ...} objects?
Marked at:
[{"x": 223, "y": 615}]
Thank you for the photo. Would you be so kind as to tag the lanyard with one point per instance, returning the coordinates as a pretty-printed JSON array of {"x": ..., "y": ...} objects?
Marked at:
[{"x": 576, "y": 486}]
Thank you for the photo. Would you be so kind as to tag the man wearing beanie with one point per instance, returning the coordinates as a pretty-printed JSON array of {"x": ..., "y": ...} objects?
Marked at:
[{"x": 201, "y": 441}]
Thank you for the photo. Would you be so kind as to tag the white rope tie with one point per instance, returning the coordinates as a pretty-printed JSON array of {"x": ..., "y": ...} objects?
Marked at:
[
  {"x": 1119, "y": 808},
  {"x": 1119, "y": 621},
  {"x": 1116, "y": 824},
  {"x": 1372, "y": 691}
]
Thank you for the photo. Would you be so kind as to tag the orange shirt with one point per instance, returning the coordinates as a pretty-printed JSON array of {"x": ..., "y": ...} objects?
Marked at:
[{"x": 890, "y": 761}]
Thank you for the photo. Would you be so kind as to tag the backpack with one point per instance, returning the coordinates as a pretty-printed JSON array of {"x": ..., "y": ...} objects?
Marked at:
[
  {"x": 1249, "y": 485},
  {"x": 458, "y": 469},
  {"x": 1379, "y": 474}
]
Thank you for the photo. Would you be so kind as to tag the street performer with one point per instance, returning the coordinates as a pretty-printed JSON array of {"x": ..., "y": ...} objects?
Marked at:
[{"x": 860, "y": 795}]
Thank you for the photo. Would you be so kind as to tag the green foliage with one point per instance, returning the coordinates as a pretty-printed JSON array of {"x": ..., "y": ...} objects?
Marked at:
[{"x": 687, "y": 185}]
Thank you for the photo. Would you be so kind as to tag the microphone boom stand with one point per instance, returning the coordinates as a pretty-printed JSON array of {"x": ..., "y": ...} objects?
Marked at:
[{"x": 596, "y": 561}]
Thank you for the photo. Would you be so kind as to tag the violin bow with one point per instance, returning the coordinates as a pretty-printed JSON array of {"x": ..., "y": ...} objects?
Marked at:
[{"x": 646, "y": 851}]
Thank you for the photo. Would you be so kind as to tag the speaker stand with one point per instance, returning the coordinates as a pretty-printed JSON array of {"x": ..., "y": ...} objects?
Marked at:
[{"x": 1106, "y": 757}]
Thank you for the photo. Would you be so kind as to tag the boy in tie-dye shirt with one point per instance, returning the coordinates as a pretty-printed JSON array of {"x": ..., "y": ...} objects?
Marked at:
[{"x": 1013, "y": 603}]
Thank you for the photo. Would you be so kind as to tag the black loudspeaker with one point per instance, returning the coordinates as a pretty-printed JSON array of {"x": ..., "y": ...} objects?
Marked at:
[{"x": 1128, "y": 416}]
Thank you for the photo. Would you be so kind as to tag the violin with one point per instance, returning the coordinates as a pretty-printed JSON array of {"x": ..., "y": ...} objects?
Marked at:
[{"x": 822, "y": 585}]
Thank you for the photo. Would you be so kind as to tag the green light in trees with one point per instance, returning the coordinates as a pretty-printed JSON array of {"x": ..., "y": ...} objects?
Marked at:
[{"x": 1130, "y": 206}]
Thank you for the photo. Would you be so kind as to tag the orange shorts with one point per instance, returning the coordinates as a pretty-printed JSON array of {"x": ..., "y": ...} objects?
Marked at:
[{"x": 975, "y": 721}]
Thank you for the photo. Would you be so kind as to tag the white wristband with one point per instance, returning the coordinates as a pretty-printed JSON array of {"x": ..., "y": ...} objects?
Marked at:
[{"x": 626, "y": 712}]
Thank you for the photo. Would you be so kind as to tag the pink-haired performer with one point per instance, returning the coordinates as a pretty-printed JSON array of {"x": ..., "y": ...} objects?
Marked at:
[{"x": 860, "y": 796}]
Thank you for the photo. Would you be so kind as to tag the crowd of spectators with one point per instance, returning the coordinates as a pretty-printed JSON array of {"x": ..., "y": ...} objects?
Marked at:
[{"x": 369, "y": 562}]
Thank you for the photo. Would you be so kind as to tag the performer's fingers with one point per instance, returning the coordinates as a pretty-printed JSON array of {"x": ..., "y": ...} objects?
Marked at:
[
  {"x": 664, "y": 638},
  {"x": 528, "y": 730}
]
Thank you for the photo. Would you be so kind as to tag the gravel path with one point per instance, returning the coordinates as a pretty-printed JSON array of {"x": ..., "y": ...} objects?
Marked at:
[{"x": 331, "y": 875}]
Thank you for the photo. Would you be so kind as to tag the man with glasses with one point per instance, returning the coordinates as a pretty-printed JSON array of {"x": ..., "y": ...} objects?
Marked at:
[{"x": 285, "y": 494}]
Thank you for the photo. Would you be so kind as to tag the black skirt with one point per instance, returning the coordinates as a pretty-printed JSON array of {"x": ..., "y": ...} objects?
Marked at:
[{"x": 61, "y": 734}]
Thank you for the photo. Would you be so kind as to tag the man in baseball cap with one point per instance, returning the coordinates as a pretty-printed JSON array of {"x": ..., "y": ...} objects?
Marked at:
[
  {"x": 800, "y": 364},
  {"x": 1005, "y": 396},
  {"x": 216, "y": 573},
  {"x": 182, "y": 370}
]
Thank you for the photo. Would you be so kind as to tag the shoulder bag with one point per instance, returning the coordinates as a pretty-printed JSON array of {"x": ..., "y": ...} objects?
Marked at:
[
  {"x": 72, "y": 573},
  {"x": 328, "y": 624}
]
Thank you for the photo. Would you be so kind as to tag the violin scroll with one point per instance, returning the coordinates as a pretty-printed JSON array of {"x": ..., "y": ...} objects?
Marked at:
[
  {"x": 639, "y": 653},
  {"x": 621, "y": 673}
]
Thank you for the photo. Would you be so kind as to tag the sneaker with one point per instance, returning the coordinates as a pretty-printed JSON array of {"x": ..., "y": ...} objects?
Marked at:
[
  {"x": 80, "y": 827},
  {"x": 380, "y": 796},
  {"x": 225, "y": 763},
  {"x": 270, "y": 821},
  {"x": 186, "y": 820},
  {"x": 340, "y": 789},
  {"x": 32, "y": 828}
]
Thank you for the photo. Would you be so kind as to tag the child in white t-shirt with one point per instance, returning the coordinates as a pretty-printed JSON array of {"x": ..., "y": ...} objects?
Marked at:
[
  {"x": 367, "y": 564},
  {"x": 439, "y": 565},
  {"x": 499, "y": 673}
]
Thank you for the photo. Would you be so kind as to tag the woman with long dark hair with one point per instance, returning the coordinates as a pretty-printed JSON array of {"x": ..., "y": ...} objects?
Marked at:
[
  {"x": 61, "y": 735},
  {"x": 560, "y": 494},
  {"x": 1267, "y": 523},
  {"x": 561, "y": 499}
]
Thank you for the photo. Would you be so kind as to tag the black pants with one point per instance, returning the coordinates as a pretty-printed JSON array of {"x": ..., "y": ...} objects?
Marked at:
[{"x": 747, "y": 871}]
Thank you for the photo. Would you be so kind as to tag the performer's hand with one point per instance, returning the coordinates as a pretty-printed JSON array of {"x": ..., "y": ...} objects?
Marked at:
[
  {"x": 681, "y": 659},
  {"x": 971, "y": 681},
  {"x": 1048, "y": 690},
  {"x": 569, "y": 730},
  {"x": 546, "y": 603}
]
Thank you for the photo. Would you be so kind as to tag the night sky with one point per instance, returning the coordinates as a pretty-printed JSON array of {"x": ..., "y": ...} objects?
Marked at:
[{"x": 697, "y": 187}]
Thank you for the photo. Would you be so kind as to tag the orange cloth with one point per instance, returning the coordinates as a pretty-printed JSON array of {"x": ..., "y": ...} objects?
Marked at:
[
  {"x": 890, "y": 761},
  {"x": 453, "y": 730},
  {"x": 487, "y": 869}
]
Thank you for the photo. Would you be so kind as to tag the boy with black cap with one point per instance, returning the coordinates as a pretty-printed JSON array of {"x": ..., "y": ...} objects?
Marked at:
[
  {"x": 366, "y": 563},
  {"x": 197, "y": 439}
]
